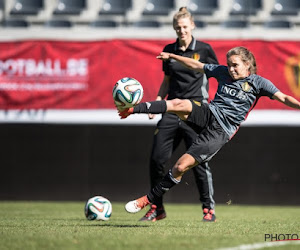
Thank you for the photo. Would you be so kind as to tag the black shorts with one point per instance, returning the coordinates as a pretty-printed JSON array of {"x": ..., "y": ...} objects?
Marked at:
[{"x": 211, "y": 137}]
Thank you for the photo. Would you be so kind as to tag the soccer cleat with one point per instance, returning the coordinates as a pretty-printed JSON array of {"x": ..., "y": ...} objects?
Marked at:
[
  {"x": 125, "y": 112},
  {"x": 154, "y": 214},
  {"x": 209, "y": 215},
  {"x": 136, "y": 205}
]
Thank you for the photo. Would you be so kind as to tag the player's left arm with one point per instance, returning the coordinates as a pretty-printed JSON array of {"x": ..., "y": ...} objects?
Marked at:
[{"x": 287, "y": 100}]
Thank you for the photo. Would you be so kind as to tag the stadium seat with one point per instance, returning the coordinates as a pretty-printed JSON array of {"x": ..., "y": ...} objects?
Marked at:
[
  {"x": 235, "y": 24},
  {"x": 69, "y": 7},
  {"x": 146, "y": 24},
  {"x": 286, "y": 7},
  {"x": 281, "y": 24},
  {"x": 245, "y": 7},
  {"x": 158, "y": 7},
  {"x": 202, "y": 7},
  {"x": 15, "y": 23},
  {"x": 55, "y": 23},
  {"x": 115, "y": 7},
  {"x": 27, "y": 7},
  {"x": 199, "y": 24},
  {"x": 104, "y": 24}
]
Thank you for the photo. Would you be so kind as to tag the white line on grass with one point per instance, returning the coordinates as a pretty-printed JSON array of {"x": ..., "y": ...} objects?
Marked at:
[{"x": 262, "y": 245}]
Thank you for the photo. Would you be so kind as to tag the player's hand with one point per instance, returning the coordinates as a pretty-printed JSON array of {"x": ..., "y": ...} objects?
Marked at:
[
  {"x": 163, "y": 56},
  {"x": 151, "y": 116},
  {"x": 124, "y": 113}
]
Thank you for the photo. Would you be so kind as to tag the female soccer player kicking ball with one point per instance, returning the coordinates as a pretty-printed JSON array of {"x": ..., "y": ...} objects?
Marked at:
[{"x": 239, "y": 88}]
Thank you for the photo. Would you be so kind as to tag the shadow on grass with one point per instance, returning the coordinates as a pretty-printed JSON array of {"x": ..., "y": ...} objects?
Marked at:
[{"x": 120, "y": 226}]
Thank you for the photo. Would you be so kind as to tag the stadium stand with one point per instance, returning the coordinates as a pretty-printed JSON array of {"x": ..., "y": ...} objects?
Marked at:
[
  {"x": 202, "y": 7},
  {"x": 237, "y": 24},
  {"x": 283, "y": 24},
  {"x": 146, "y": 24},
  {"x": 158, "y": 7},
  {"x": 104, "y": 24},
  {"x": 15, "y": 23},
  {"x": 27, "y": 7},
  {"x": 58, "y": 23},
  {"x": 69, "y": 7},
  {"x": 103, "y": 13},
  {"x": 199, "y": 24},
  {"x": 1, "y": 9},
  {"x": 246, "y": 7},
  {"x": 115, "y": 7},
  {"x": 286, "y": 7}
]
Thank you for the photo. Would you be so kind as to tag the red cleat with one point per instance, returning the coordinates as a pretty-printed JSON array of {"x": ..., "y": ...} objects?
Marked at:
[{"x": 125, "y": 112}]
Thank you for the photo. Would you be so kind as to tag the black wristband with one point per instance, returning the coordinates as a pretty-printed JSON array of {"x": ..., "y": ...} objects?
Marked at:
[{"x": 156, "y": 107}]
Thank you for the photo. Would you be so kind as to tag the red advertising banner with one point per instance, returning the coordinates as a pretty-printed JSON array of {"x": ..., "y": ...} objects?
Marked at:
[{"x": 81, "y": 75}]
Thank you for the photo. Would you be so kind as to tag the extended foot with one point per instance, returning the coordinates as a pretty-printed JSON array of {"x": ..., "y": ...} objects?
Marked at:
[
  {"x": 154, "y": 214},
  {"x": 136, "y": 205},
  {"x": 209, "y": 215}
]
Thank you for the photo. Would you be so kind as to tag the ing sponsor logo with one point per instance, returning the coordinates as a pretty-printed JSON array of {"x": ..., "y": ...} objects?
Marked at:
[{"x": 292, "y": 74}]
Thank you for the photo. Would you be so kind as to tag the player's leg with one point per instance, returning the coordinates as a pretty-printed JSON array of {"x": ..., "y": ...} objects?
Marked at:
[
  {"x": 203, "y": 177},
  {"x": 174, "y": 176},
  {"x": 205, "y": 146},
  {"x": 164, "y": 139},
  {"x": 182, "y": 108}
]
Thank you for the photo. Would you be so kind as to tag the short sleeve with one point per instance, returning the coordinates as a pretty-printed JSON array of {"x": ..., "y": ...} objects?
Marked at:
[
  {"x": 211, "y": 56},
  {"x": 266, "y": 87},
  {"x": 214, "y": 70}
]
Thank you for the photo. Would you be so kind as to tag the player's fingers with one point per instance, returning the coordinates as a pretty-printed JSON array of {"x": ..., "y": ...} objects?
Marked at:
[{"x": 151, "y": 116}]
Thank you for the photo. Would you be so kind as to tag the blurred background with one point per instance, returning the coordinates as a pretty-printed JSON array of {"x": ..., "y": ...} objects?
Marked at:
[{"x": 61, "y": 138}]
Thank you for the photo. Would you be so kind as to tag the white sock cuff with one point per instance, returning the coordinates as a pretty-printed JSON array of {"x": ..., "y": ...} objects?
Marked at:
[{"x": 172, "y": 178}]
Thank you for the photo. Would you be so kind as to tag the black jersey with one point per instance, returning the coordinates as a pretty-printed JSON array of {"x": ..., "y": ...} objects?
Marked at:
[{"x": 184, "y": 82}]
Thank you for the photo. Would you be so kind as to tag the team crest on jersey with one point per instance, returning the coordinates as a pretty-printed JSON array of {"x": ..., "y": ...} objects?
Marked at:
[
  {"x": 197, "y": 103},
  {"x": 246, "y": 86},
  {"x": 196, "y": 56},
  {"x": 292, "y": 74}
]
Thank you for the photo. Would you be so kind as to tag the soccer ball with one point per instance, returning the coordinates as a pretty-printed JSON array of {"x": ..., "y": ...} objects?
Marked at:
[
  {"x": 98, "y": 208},
  {"x": 127, "y": 92}
]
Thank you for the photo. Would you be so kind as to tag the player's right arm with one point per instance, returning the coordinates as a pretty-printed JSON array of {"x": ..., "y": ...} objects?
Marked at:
[
  {"x": 164, "y": 88},
  {"x": 186, "y": 61}
]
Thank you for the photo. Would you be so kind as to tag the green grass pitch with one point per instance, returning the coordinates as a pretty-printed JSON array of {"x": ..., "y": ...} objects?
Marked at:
[{"x": 62, "y": 225}]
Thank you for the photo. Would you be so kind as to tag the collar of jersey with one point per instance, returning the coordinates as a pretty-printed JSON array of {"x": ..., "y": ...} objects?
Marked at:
[{"x": 191, "y": 46}]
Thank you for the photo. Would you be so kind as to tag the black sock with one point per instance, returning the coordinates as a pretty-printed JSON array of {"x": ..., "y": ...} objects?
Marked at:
[
  {"x": 156, "y": 107},
  {"x": 158, "y": 202},
  {"x": 161, "y": 188}
]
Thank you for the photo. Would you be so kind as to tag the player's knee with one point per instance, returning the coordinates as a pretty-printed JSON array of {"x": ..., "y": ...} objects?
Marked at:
[
  {"x": 184, "y": 163},
  {"x": 181, "y": 167},
  {"x": 179, "y": 105}
]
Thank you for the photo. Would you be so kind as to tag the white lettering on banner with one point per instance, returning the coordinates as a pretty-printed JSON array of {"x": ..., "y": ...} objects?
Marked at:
[
  {"x": 12, "y": 86},
  {"x": 23, "y": 115},
  {"x": 48, "y": 67}
]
